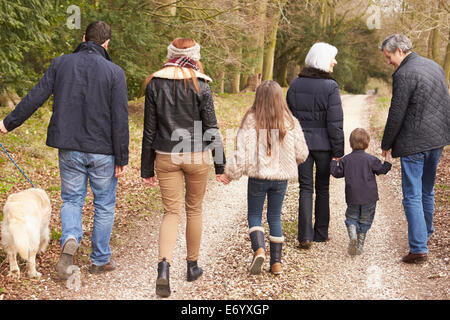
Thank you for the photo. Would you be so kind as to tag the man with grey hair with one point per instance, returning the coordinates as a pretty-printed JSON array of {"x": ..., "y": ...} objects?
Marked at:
[{"x": 417, "y": 129}]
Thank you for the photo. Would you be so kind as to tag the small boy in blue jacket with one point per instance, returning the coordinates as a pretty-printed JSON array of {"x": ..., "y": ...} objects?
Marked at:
[{"x": 361, "y": 193}]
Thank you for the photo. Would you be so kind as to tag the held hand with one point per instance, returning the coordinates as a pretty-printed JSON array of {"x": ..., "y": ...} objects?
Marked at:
[
  {"x": 120, "y": 171},
  {"x": 223, "y": 178},
  {"x": 336, "y": 159},
  {"x": 387, "y": 157},
  {"x": 150, "y": 181},
  {"x": 2, "y": 127},
  {"x": 384, "y": 152}
]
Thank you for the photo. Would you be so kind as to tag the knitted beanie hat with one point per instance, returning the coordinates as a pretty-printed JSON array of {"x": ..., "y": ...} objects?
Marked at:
[{"x": 192, "y": 52}]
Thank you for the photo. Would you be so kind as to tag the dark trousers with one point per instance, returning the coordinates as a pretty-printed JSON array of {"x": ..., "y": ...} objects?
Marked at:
[{"x": 306, "y": 231}]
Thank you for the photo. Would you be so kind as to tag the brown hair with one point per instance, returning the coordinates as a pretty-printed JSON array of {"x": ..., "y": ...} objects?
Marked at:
[
  {"x": 359, "y": 139},
  {"x": 180, "y": 43},
  {"x": 98, "y": 32},
  {"x": 270, "y": 111}
]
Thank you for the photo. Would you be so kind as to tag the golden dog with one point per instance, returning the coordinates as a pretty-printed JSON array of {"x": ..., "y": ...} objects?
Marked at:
[{"x": 25, "y": 228}]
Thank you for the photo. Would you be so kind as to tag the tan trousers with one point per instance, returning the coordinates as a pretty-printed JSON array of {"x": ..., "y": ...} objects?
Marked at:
[{"x": 171, "y": 170}]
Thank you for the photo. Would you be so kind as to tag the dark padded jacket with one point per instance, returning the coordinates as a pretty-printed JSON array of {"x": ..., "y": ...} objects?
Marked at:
[
  {"x": 178, "y": 119},
  {"x": 419, "y": 115},
  {"x": 314, "y": 100},
  {"x": 90, "y": 107}
]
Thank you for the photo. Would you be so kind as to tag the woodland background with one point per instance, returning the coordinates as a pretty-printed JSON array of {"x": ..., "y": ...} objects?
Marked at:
[{"x": 243, "y": 42}]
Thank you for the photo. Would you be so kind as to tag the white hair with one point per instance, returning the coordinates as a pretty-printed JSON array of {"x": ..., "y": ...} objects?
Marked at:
[{"x": 320, "y": 56}]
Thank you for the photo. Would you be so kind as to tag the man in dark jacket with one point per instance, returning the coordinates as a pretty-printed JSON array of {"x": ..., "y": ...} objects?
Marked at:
[
  {"x": 416, "y": 130},
  {"x": 89, "y": 126}
]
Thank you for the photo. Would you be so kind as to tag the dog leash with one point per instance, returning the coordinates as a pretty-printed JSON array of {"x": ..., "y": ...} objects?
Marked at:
[{"x": 17, "y": 165}]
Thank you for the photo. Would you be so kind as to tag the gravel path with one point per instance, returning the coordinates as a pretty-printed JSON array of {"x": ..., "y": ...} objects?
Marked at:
[{"x": 325, "y": 271}]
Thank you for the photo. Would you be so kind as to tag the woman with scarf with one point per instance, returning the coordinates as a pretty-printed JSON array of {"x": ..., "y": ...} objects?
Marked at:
[
  {"x": 180, "y": 128},
  {"x": 315, "y": 101}
]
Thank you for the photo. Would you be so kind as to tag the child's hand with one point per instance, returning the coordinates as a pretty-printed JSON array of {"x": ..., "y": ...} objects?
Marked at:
[
  {"x": 387, "y": 156},
  {"x": 336, "y": 159},
  {"x": 150, "y": 181},
  {"x": 223, "y": 178}
]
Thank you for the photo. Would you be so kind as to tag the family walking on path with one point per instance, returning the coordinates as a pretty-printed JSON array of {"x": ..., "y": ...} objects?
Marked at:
[{"x": 280, "y": 139}]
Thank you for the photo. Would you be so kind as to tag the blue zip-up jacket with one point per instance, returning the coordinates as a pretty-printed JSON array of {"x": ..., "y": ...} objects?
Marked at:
[{"x": 90, "y": 108}]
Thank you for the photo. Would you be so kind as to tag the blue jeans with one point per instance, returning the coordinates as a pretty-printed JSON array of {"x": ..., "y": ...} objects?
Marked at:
[
  {"x": 76, "y": 168},
  {"x": 361, "y": 216},
  {"x": 418, "y": 177},
  {"x": 256, "y": 195}
]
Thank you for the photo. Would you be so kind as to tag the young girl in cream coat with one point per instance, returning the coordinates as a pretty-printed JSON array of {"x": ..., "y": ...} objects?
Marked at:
[{"x": 269, "y": 146}]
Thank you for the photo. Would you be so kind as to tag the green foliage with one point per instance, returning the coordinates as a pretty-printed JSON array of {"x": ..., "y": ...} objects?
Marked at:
[
  {"x": 56, "y": 234},
  {"x": 34, "y": 32},
  {"x": 357, "y": 58},
  {"x": 23, "y": 29}
]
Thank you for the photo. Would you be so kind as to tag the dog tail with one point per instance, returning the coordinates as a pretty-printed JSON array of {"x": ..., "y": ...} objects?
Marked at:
[{"x": 21, "y": 239}]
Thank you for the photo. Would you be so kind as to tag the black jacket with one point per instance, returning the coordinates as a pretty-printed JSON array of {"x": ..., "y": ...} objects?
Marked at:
[
  {"x": 90, "y": 108},
  {"x": 359, "y": 169},
  {"x": 178, "y": 119},
  {"x": 314, "y": 100},
  {"x": 419, "y": 115}
]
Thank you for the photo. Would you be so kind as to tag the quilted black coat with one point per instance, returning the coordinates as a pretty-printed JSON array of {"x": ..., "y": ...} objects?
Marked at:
[
  {"x": 314, "y": 100},
  {"x": 419, "y": 115}
]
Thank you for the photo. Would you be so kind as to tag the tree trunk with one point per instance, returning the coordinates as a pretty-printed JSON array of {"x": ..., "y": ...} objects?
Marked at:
[
  {"x": 430, "y": 45},
  {"x": 235, "y": 82},
  {"x": 447, "y": 62},
  {"x": 269, "y": 54},
  {"x": 221, "y": 80},
  {"x": 244, "y": 81},
  {"x": 251, "y": 81},
  {"x": 435, "y": 48}
]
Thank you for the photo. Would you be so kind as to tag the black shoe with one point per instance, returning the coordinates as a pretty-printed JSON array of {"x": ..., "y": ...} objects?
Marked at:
[
  {"x": 193, "y": 271},
  {"x": 305, "y": 244},
  {"x": 162, "y": 282}
]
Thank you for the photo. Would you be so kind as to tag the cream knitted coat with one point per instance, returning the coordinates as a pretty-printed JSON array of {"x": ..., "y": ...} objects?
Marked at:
[{"x": 281, "y": 165}]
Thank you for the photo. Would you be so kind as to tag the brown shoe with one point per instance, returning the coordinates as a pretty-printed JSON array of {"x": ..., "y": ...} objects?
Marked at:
[
  {"x": 415, "y": 258},
  {"x": 110, "y": 266},
  {"x": 305, "y": 244}
]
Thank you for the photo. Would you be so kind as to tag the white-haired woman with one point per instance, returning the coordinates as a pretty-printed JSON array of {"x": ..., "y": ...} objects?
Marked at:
[{"x": 314, "y": 99}]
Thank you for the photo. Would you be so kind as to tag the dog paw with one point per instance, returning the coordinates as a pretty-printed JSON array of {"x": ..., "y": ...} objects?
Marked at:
[
  {"x": 35, "y": 275},
  {"x": 14, "y": 274}
]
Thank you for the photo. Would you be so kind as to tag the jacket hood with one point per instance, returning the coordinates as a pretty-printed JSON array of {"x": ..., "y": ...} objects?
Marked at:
[
  {"x": 90, "y": 45},
  {"x": 174, "y": 73}
]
